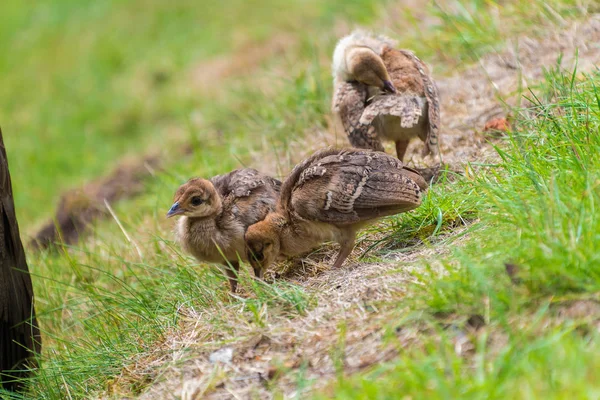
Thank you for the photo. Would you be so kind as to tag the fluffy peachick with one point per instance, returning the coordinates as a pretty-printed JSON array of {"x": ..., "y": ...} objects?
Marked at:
[
  {"x": 216, "y": 214},
  {"x": 383, "y": 93}
]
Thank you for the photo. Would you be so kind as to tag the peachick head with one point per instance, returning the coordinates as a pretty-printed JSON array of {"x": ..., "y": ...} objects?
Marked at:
[
  {"x": 354, "y": 60},
  {"x": 263, "y": 242},
  {"x": 195, "y": 198}
]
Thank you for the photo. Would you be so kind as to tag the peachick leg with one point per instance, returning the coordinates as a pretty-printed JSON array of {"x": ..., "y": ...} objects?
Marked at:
[
  {"x": 231, "y": 270},
  {"x": 401, "y": 146},
  {"x": 258, "y": 272},
  {"x": 345, "y": 250}
]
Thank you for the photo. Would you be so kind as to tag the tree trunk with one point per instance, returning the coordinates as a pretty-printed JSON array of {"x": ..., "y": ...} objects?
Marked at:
[{"x": 19, "y": 332}]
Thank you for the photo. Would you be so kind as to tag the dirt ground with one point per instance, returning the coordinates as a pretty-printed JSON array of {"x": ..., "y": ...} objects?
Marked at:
[{"x": 253, "y": 366}]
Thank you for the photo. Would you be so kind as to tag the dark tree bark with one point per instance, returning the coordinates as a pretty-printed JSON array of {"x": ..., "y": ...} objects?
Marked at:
[{"x": 19, "y": 332}]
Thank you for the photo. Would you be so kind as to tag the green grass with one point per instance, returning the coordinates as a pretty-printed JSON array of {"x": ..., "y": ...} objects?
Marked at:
[
  {"x": 559, "y": 365},
  {"x": 471, "y": 29},
  {"x": 87, "y": 82}
]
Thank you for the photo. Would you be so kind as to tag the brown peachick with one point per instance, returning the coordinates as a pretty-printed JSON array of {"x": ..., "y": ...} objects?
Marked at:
[
  {"x": 383, "y": 93},
  {"x": 329, "y": 197},
  {"x": 216, "y": 213}
]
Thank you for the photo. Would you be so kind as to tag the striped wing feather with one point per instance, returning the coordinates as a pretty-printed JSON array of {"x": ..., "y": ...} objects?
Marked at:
[
  {"x": 351, "y": 186},
  {"x": 248, "y": 195},
  {"x": 350, "y": 100}
]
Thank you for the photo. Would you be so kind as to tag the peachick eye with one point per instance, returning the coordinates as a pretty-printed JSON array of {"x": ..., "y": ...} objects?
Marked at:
[{"x": 196, "y": 201}]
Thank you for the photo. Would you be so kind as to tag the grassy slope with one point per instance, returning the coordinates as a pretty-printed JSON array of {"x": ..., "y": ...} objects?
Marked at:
[
  {"x": 121, "y": 308},
  {"x": 538, "y": 211}
]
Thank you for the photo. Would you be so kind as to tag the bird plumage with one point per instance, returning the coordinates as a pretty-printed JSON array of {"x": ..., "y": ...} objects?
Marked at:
[
  {"x": 328, "y": 197},
  {"x": 358, "y": 38},
  {"x": 349, "y": 105},
  {"x": 19, "y": 332},
  {"x": 347, "y": 186},
  {"x": 369, "y": 115}
]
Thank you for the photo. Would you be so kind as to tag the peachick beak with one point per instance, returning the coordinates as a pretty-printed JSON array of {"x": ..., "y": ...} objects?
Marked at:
[
  {"x": 388, "y": 87},
  {"x": 175, "y": 210}
]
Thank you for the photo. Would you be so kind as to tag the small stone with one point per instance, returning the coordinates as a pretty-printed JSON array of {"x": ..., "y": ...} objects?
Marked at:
[{"x": 224, "y": 355}]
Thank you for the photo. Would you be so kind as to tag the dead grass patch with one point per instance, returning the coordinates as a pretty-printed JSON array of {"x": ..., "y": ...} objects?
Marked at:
[{"x": 208, "y": 75}]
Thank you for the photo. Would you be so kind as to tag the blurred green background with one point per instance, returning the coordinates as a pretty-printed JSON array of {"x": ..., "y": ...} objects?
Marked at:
[{"x": 83, "y": 83}]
